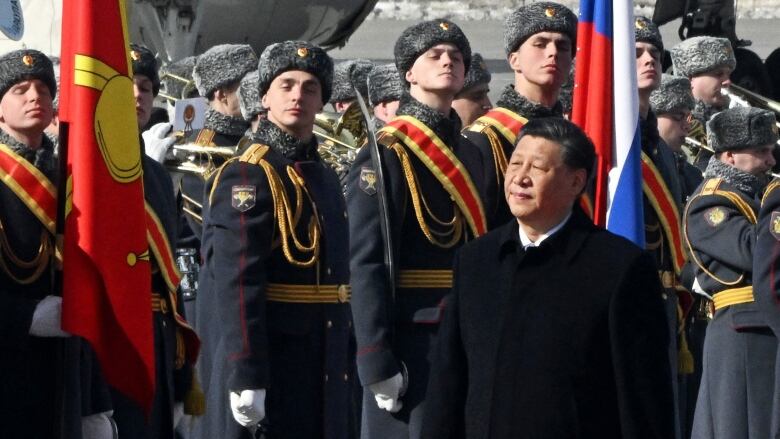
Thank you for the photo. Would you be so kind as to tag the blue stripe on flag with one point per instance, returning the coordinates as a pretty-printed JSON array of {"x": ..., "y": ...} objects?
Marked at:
[{"x": 626, "y": 217}]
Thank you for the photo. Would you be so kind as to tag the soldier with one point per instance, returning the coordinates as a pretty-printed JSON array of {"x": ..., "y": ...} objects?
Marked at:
[
  {"x": 32, "y": 334},
  {"x": 384, "y": 93},
  {"x": 432, "y": 178},
  {"x": 539, "y": 40},
  {"x": 217, "y": 75},
  {"x": 672, "y": 103},
  {"x": 249, "y": 99},
  {"x": 346, "y": 76},
  {"x": 735, "y": 396},
  {"x": 473, "y": 101},
  {"x": 765, "y": 278},
  {"x": 274, "y": 307},
  {"x": 662, "y": 203},
  {"x": 708, "y": 63},
  {"x": 175, "y": 344}
]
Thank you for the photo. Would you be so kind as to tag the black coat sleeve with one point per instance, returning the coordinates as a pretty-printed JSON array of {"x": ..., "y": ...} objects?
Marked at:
[
  {"x": 16, "y": 314},
  {"x": 639, "y": 344},
  {"x": 766, "y": 281},
  {"x": 371, "y": 296},
  {"x": 448, "y": 382},
  {"x": 241, "y": 245}
]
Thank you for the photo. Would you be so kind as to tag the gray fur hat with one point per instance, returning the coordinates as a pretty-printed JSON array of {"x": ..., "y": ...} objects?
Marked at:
[
  {"x": 538, "y": 17},
  {"x": 645, "y": 31},
  {"x": 384, "y": 84},
  {"x": 222, "y": 65},
  {"x": 478, "y": 72},
  {"x": 249, "y": 96},
  {"x": 741, "y": 128},
  {"x": 350, "y": 74},
  {"x": 701, "y": 54},
  {"x": 417, "y": 39},
  {"x": 24, "y": 64},
  {"x": 674, "y": 94},
  {"x": 175, "y": 87},
  {"x": 296, "y": 55},
  {"x": 145, "y": 63}
]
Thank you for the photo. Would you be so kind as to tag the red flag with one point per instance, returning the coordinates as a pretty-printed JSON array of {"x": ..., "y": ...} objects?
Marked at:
[{"x": 106, "y": 267}]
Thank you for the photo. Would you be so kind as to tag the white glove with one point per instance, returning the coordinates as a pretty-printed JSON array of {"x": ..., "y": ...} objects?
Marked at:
[
  {"x": 699, "y": 290},
  {"x": 156, "y": 141},
  {"x": 388, "y": 393},
  {"x": 178, "y": 413},
  {"x": 98, "y": 426},
  {"x": 248, "y": 406},
  {"x": 47, "y": 318}
]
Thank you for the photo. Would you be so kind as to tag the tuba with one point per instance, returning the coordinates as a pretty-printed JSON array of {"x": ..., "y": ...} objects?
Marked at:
[{"x": 340, "y": 138}]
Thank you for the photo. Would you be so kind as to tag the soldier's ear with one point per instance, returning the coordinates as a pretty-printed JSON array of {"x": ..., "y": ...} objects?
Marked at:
[
  {"x": 514, "y": 61},
  {"x": 409, "y": 76}
]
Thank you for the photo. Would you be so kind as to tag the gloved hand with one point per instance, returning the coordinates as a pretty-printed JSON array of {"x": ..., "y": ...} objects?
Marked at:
[
  {"x": 248, "y": 406},
  {"x": 47, "y": 318},
  {"x": 388, "y": 393},
  {"x": 156, "y": 142},
  {"x": 699, "y": 290},
  {"x": 98, "y": 426},
  {"x": 178, "y": 413}
]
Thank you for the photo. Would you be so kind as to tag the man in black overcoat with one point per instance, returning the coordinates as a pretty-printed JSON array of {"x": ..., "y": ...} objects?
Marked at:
[{"x": 555, "y": 328}]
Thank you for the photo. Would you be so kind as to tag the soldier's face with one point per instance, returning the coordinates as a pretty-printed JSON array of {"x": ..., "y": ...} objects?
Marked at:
[
  {"x": 143, "y": 91},
  {"x": 648, "y": 66},
  {"x": 293, "y": 100},
  {"x": 539, "y": 188},
  {"x": 386, "y": 110},
  {"x": 26, "y": 107},
  {"x": 707, "y": 87},
  {"x": 755, "y": 161},
  {"x": 674, "y": 127},
  {"x": 544, "y": 59},
  {"x": 439, "y": 69},
  {"x": 472, "y": 103}
]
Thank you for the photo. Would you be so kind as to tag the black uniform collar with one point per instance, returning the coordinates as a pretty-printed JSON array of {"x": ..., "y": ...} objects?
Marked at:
[
  {"x": 650, "y": 136},
  {"x": 282, "y": 142},
  {"x": 747, "y": 183},
  {"x": 703, "y": 112},
  {"x": 224, "y": 124},
  {"x": 514, "y": 101},
  {"x": 446, "y": 127},
  {"x": 568, "y": 240},
  {"x": 42, "y": 158}
]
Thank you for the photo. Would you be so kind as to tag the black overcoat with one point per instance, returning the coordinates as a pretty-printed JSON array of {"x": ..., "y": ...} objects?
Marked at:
[{"x": 567, "y": 340}]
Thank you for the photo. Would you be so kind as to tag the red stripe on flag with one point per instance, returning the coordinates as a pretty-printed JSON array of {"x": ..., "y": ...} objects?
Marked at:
[{"x": 592, "y": 106}]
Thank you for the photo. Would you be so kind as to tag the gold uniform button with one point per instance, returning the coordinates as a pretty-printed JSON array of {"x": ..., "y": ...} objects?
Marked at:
[
  {"x": 343, "y": 293},
  {"x": 329, "y": 324}
]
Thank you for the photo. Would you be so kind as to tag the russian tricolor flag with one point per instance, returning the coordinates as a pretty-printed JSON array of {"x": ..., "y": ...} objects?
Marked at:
[{"x": 606, "y": 106}]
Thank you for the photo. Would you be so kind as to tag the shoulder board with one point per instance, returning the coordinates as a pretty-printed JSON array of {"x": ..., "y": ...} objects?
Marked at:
[
  {"x": 710, "y": 186},
  {"x": 774, "y": 184},
  {"x": 205, "y": 137},
  {"x": 254, "y": 154},
  {"x": 477, "y": 126}
]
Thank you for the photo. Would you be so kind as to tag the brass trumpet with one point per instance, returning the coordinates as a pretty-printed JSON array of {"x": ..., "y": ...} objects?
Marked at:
[
  {"x": 197, "y": 159},
  {"x": 340, "y": 137}
]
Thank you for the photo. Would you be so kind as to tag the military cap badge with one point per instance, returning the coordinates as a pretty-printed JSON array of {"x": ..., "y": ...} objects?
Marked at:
[
  {"x": 774, "y": 225},
  {"x": 135, "y": 55},
  {"x": 28, "y": 60},
  {"x": 368, "y": 180},
  {"x": 549, "y": 12},
  {"x": 444, "y": 26},
  {"x": 302, "y": 52},
  {"x": 244, "y": 197},
  {"x": 640, "y": 24},
  {"x": 715, "y": 216}
]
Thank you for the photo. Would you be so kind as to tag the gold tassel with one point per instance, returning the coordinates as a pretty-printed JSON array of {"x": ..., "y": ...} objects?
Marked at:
[
  {"x": 684, "y": 357},
  {"x": 195, "y": 400}
]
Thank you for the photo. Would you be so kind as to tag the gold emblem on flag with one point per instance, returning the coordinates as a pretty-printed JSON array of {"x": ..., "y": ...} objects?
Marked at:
[
  {"x": 28, "y": 60},
  {"x": 444, "y": 26},
  {"x": 303, "y": 52},
  {"x": 549, "y": 12},
  {"x": 715, "y": 216}
]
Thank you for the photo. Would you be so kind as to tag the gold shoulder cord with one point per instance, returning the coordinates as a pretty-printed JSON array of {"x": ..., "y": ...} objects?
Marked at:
[
  {"x": 286, "y": 219},
  {"x": 711, "y": 188},
  {"x": 454, "y": 227},
  {"x": 38, "y": 264}
]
